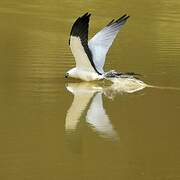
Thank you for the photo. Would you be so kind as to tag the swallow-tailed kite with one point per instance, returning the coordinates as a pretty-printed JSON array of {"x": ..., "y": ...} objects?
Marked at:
[{"x": 90, "y": 55}]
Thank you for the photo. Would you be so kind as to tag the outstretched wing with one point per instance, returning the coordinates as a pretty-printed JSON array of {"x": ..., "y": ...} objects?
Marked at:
[
  {"x": 102, "y": 41},
  {"x": 79, "y": 44}
]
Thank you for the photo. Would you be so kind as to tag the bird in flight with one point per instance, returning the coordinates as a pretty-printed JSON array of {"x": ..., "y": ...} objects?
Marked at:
[{"x": 90, "y": 55}]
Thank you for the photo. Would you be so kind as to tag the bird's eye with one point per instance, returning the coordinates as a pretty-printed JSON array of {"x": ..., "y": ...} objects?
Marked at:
[{"x": 66, "y": 75}]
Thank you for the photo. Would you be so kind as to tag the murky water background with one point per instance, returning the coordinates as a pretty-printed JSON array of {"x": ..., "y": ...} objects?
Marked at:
[{"x": 47, "y": 132}]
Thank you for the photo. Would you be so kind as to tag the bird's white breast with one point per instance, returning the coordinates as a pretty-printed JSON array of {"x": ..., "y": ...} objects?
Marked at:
[{"x": 85, "y": 75}]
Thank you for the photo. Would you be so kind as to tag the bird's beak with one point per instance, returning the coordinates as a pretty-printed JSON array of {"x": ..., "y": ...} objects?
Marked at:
[{"x": 66, "y": 75}]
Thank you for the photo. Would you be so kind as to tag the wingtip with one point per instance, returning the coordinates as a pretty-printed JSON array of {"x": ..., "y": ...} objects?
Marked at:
[
  {"x": 111, "y": 22},
  {"x": 87, "y": 14},
  {"x": 80, "y": 25},
  {"x": 122, "y": 18}
]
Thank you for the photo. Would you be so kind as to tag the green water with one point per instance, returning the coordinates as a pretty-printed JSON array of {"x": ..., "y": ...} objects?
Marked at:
[{"x": 46, "y": 132}]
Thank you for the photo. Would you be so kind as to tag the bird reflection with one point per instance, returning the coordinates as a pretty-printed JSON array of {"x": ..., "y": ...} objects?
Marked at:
[
  {"x": 98, "y": 119},
  {"x": 88, "y": 100},
  {"x": 83, "y": 92}
]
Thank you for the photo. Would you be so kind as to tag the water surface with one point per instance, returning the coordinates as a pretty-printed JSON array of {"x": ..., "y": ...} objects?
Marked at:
[{"x": 49, "y": 132}]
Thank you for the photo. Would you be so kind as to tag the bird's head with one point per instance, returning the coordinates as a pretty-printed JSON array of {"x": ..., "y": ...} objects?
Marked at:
[
  {"x": 70, "y": 73},
  {"x": 66, "y": 75}
]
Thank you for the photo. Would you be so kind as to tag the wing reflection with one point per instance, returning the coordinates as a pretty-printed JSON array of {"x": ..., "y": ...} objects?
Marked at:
[
  {"x": 83, "y": 92},
  {"x": 98, "y": 119},
  {"x": 88, "y": 101}
]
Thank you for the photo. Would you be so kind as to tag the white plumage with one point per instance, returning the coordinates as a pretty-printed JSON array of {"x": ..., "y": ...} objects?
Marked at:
[
  {"x": 102, "y": 41},
  {"x": 88, "y": 101},
  {"x": 90, "y": 55},
  {"x": 82, "y": 61}
]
